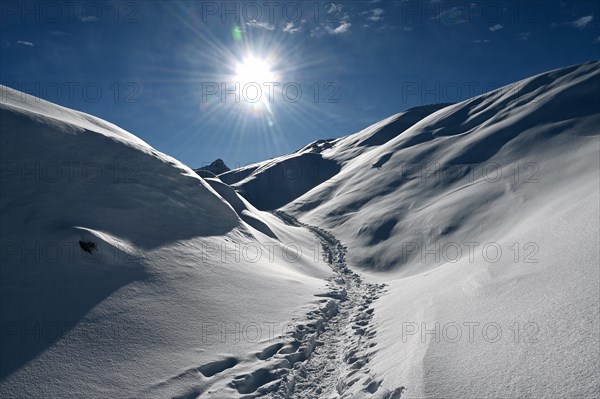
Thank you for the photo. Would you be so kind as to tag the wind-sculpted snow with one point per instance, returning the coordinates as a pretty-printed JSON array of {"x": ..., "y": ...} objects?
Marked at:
[
  {"x": 68, "y": 177},
  {"x": 296, "y": 174},
  {"x": 326, "y": 353},
  {"x": 485, "y": 215},
  {"x": 77, "y": 170},
  {"x": 244, "y": 210},
  {"x": 117, "y": 260},
  {"x": 482, "y": 214},
  {"x": 455, "y": 174},
  {"x": 237, "y": 175},
  {"x": 290, "y": 177},
  {"x": 469, "y": 266}
]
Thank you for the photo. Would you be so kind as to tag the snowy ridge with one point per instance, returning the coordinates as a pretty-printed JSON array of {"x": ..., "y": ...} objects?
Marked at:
[
  {"x": 160, "y": 286},
  {"x": 171, "y": 255},
  {"x": 298, "y": 173},
  {"x": 517, "y": 169},
  {"x": 436, "y": 180}
]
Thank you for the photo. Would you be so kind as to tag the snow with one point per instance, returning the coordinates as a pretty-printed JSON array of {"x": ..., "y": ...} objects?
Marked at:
[
  {"x": 292, "y": 177},
  {"x": 450, "y": 250},
  {"x": 166, "y": 273},
  {"x": 534, "y": 325},
  {"x": 515, "y": 169}
]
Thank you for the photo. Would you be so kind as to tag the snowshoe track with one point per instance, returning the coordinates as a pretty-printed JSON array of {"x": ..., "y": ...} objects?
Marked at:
[
  {"x": 339, "y": 345},
  {"x": 326, "y": 355}
]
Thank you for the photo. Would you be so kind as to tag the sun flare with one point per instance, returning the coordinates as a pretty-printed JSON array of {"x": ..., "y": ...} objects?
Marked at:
[
  {"x": 254, "y": 70},
  {"x": 255, "y": 78}
]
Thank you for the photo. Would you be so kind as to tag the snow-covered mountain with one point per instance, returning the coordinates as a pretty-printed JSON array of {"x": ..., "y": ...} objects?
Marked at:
[
  {"x": 449, "y": 250},
  {"x": 485, "y": 212},
  {"x": 175, "y": 261},
  {"x": 216, "y": 167}
]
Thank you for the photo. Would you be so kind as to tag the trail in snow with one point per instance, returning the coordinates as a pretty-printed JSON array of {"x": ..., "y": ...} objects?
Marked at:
[
  {"x": 326, "y": 355},
  {"x": 338, "y": 339}
]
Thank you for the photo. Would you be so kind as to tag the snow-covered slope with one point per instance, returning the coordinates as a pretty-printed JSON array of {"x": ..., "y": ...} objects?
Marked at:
[
  {"x": 470, "y": 171},
  {"x": 174, "y": 262},
  {"x": 482, "y": 212},
  {"x": 475, "y": 227},
  {"x": 295, "y": 174}
]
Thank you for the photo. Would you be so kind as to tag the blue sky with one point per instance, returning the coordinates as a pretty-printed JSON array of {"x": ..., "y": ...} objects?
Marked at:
[{"x": 167, "y": 71}]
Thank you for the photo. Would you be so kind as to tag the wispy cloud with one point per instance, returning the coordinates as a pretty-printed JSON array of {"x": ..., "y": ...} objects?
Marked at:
[
  {"x": 524, "y": 36},
  {"x": 343, "y": 22},
  {"x": 291, "y": 28},
  {"x": 335, "y": 17},
  {"x": 496, "y": 27},
  {"x": 260, "y": 25},
  {"x": 375, "y": 14},
  {"x": 24, "y": 43},
  {"x": 597, "y": 40},
  {"x": 58, "y": 33},
  {"x": 342, "y": 28},
  {"x": 481, "y": 41},
  {"x": 582, "y": 22}
]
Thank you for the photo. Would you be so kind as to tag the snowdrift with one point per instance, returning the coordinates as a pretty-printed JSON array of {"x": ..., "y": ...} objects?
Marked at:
[
  {"x": 481, "y": 218},
  {"x": 468, "y": 172},
  {"x": 121, "y": 266},
  {"x": 484, "y": 216},
  {"x": 87, "y": 172}
]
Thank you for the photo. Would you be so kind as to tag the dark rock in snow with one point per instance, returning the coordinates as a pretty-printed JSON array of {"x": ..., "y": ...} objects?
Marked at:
[{"x": 216, "y": 167}]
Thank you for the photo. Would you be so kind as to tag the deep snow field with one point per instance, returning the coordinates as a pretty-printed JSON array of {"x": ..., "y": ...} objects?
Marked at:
[{"x": 448, "y": 251}]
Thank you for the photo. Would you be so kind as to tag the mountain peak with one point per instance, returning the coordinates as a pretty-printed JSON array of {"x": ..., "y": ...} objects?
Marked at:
[{"x": 216, "y": 167}]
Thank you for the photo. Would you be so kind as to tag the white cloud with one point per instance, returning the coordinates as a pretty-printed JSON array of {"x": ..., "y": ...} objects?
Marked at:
[
  {"x": 24, "y": 43},
  {"x": 407, "y": 28},
  {"x": 329, "y": 28},
  {"x": 261, "y": 25},
  {"x": 582, "y": 22},
  {"x": 496, "y": 27},
  {"x": 291, "y": 28},
  {"x": 343, "y": 28},
  {"x": 524, "y": 36},
  {"x": 375, "y": 14},
  {"x": 481, "y": 41}
]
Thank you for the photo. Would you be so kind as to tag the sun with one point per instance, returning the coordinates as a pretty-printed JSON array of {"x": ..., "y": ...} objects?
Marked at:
[
  {"x": 255, "y": 80},
  {"x": 254, "y": 70}
]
